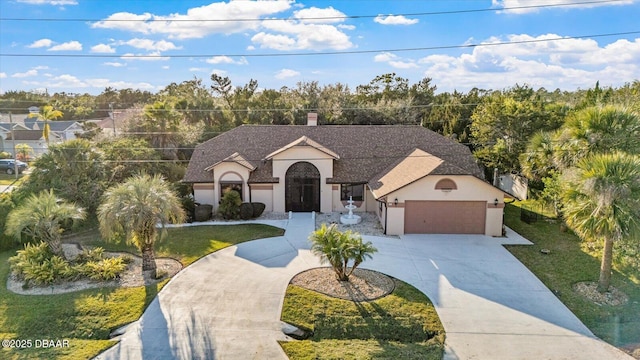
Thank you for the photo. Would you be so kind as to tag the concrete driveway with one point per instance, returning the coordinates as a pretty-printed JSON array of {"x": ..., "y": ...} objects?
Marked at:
[{"x": 227, "y": 305}]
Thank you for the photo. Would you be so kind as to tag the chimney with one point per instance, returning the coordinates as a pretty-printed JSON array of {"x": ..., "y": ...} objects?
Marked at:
[{"x": 312, "y": 119}]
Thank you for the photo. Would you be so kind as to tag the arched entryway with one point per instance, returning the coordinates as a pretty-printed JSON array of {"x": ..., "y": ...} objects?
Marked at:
[{"x": 302, "y": 188}]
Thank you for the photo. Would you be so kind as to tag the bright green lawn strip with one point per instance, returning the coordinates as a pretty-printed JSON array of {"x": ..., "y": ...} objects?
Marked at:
[
  {"x": 6, "y": 179},
  {"x": 87, "y": 317},
  {"x": 188, "y": 244},
  {"x": 403, "y": 325},
  {"x": 568, "y": 263}
]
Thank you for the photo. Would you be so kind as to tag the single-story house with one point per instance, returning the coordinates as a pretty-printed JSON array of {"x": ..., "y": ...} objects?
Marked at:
[{"x": 414, "y": 179}]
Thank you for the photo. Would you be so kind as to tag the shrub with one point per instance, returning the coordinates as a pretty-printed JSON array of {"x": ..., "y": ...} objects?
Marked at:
[
  {"x": 230, "y": 205},
  {"x": 31, "y": 254},
  {"x": 36, "y": 264},
  {"x": 246, "y": 211},
  {"x": 105, "y": 269},
  {"x": 5, "y": 155},
  {"x": 258, "y": 209},
  {"x": 90, "y": 255}
]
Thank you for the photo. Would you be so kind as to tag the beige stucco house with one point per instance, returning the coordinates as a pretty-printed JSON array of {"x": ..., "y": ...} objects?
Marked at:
[{"x": 414, "y": 179}]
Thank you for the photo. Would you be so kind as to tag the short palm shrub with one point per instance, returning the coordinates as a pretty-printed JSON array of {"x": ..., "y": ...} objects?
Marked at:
[
  {"x": 339, "y": 249},
  {"x": 229, "y": 207}
]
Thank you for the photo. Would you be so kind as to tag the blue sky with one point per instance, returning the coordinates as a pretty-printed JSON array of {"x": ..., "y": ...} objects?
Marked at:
[{"x": 104, "y": 47}]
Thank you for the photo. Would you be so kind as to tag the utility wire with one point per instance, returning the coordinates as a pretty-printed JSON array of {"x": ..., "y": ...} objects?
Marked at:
[
  {"x": 321, "y": 53},
  {"x": 345, "y": 17}
]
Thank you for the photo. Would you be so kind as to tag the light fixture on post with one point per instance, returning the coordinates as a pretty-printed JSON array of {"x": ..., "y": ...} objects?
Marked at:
[
  {"x": 495, "y": 202},
  {"x": 395, "y": 202}
]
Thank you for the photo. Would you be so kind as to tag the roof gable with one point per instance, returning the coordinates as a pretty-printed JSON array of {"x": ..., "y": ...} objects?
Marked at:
[
  {"x": 236, "y": 158},
  {"x": 303, "y": 141},
  {"x": 403, "y": 172}
]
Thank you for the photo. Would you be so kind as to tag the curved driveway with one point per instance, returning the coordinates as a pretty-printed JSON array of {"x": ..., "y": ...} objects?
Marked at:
[{"x": 227, "y": 305}]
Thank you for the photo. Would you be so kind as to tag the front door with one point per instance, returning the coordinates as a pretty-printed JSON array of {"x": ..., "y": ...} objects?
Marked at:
[{"x": 302, "y": 188}]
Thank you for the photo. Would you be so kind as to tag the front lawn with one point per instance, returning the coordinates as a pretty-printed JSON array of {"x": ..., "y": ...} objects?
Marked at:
[
  {"x": 402, "y": 325},
  {"x": 85, "y": 318},
  {"x": 6, "y": 179},
  {"x": 571, "y": 261}
]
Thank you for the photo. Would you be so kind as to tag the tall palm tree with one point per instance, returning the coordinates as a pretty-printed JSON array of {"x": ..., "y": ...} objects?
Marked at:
[
  {"x": 135, "y": 208},
  {"x": 47, "y": 113},
  {"x": 602, "y": 201},
  {"x": 338, "y": 248},
  {"x": 41, "y": 216},
  {"x": 597, "y": 130}
]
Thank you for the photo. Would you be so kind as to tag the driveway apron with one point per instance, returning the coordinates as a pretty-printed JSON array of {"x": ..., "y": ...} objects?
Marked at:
[{"x": 227, "y": 305}]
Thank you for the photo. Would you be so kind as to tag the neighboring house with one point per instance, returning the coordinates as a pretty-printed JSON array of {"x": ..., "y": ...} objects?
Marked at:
[
  {"x": 32, "y": 138},
  {"x": 414, "y": 179},
  {"x": 59, "y": 131},
  {"x": 64, "y": 129}
]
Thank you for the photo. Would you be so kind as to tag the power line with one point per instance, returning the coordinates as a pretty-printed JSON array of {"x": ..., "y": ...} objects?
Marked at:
[
  {"x": 322, "y": 53},
  {"x": 316, "y": 18}
]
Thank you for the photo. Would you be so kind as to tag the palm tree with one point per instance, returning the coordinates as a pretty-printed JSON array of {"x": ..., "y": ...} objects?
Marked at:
[
  {"x": 338, "y": 248},
  {"x": 602, "y": 200},
  {"x": 42, "y": 216},
  {"x": 597, "y": 130},
  {"x": 135, "y": 208},
  {"x": 47, "y": 113}
]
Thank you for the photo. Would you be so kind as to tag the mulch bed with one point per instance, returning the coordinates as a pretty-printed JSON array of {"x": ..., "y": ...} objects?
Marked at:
[{"x": 363, "y": 285}]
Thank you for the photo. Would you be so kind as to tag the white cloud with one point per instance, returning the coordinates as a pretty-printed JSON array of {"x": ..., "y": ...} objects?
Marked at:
[
  {"x": 395, "y": 20},
  {"x": 41, "y": 67},
  {"x": 385, "y": 57},
  {"x": 166, "y": 67},
  {"x": 286, "y": 35},
  {"x": 29, "y": 73},
  {"x": 68, "y": 46},
  {"x": 154, "y": 56},
  {"x": 219, "y": 72},
  {"x": 193, "y": 23},
  {"x": 40, "y": 43},
  {"x": 150, "y": 45},
  {"x": 567, "y": 64},
  {"x": 227, "y": 60},
  {"x": 538, "y": 5},
  {"x": 316, "y": 15},
  {"x": 103, "y": 48},
  {"x": 114, "y": 64},
  {"x": 196, "y": 69},
  {"x": 346, "y": 27},
  {"x": 49, "y": 2},
  {"x": 67, "y": 81},
  {"x": 394, "y": 61},
  {"x": 3, "y": 75},
  {"x": 286, "y": 73}
]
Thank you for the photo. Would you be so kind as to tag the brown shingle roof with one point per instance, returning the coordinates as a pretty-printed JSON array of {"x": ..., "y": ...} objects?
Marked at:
[
  {"x": 364, "y": 150},
  {"x": 414, "y": 166}
]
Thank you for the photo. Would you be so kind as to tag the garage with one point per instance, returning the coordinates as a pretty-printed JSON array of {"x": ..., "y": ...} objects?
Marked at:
[{"x": 445, "y": 217}]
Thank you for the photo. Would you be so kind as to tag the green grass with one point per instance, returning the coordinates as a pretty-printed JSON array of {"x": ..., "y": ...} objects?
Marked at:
[
  {"x": 189, "y": 244},
  {"x": 10, "y": 179},
  {"x": 402, "y": 325},
  {"x": 572, "y": 261},
  {"x": 85, "y": 318}
]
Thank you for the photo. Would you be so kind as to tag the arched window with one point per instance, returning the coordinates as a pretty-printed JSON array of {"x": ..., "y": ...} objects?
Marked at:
[{"x": 446, "y": 185}]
